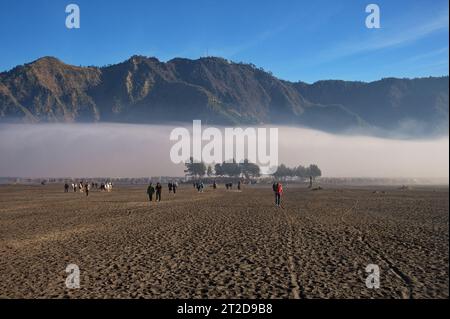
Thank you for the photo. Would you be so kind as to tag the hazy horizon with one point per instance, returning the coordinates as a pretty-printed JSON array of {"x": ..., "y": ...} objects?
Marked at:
[{"x": 132, "y": 150}]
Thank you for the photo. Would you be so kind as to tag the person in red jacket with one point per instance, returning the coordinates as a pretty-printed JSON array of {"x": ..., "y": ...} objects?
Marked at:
[{"x": 278, "y": 192}]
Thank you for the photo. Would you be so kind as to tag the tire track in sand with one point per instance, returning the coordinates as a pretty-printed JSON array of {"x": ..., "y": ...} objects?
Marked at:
[{"x": 297, "y": 291}]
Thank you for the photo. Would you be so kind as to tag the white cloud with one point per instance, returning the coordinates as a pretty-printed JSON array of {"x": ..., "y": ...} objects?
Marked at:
[
  {"x": 386, "y": 38},
  {"x": 232, "y": 51}
]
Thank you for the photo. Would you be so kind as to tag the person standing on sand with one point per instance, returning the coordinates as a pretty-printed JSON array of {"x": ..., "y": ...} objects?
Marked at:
[
  {"x": 274, "y": 189},
  {"x": 174, "y": 187},
  {"x": 278, "y": 193},
  {"x": 150, "y": 192},
  {"x": 86, "y": 189},
  {"x": 66, "y": 188},
  {"x": 170, "y": 187},
  {"x": 158, "y": 192}
]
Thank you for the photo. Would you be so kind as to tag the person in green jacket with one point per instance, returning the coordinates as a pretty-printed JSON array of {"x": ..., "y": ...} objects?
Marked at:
[{"x": 150, "y": 191}]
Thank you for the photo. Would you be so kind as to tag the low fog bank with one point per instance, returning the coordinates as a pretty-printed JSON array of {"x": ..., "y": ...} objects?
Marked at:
[
  {"x": 127, "y": 150},
  {"x": 406, "y": 129},
  {"x": 365, "y": 156}
]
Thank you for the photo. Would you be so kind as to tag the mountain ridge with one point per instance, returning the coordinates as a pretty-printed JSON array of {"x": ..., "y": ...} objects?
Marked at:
[{"x": 145, "y": 90}]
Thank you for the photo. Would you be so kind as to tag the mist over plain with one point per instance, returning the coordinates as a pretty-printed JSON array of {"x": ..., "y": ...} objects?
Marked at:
[{"x": 130, "y": 150}]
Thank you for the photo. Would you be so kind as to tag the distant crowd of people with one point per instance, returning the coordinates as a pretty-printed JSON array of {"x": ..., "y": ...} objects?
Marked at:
[
  {"x": 156, "y": 191},
  {"x": 85, "y": 187}
]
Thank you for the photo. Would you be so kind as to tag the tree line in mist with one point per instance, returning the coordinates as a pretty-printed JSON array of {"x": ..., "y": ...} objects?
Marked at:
[{"x": 248, "y": 170}]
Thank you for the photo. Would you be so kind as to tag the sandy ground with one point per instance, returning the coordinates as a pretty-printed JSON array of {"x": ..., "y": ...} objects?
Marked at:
[{"x": 224, "y": 244}]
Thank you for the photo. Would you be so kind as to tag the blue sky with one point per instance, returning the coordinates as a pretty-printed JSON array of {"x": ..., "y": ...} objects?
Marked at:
[{"x": 295, "y": 40}]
